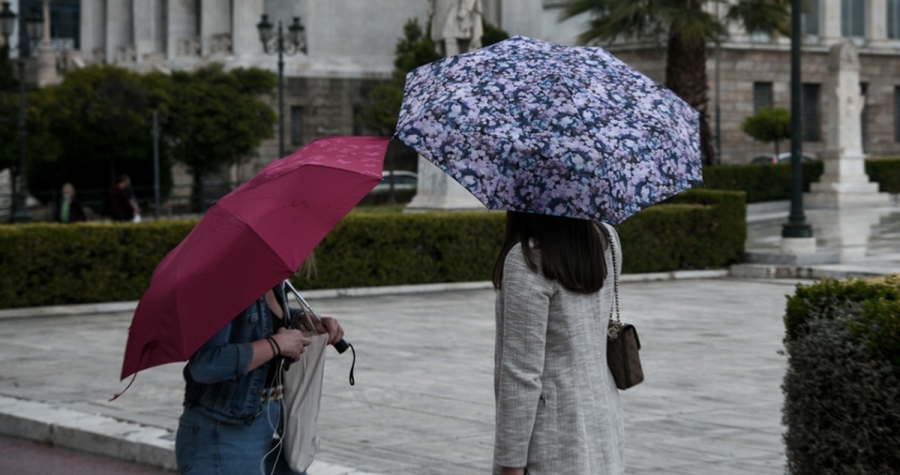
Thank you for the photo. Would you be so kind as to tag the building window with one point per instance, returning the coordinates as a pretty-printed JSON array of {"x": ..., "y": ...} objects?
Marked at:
[
  {"x": 296, "y": 125},
  {"x": 65, "y": 21},
  {"x": 762, "y": 95},
  {"x": 897, "y": 114},
  {"x": 357, "y": 120},
  {"x": 894, "y": 19},
  {"x": 810, "y": 112},
  {"x": 853, "y": 18},
  {"x": 811, "y": 18},
  {"x": 863, "y": 115}
]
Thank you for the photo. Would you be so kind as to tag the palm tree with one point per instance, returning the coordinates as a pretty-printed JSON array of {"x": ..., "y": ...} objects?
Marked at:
[{"x": 687, "y": 27}]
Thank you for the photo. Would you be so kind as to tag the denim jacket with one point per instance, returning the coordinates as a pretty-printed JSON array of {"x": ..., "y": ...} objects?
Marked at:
[{"x": 219, "y": 384}]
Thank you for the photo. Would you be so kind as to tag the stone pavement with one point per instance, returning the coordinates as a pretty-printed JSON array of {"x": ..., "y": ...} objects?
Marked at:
[
  {"x": 423, "y": 399},
  {"x": 423, "y": 402},
  {"x": 866, "y": 239}
]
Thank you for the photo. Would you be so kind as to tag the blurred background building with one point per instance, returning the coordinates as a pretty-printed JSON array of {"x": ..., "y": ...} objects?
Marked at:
[{"x": 350, "y": 48}]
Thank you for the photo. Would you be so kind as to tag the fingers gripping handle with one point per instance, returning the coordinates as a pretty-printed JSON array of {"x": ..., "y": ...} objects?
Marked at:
[{"x": 340, "y": 346}]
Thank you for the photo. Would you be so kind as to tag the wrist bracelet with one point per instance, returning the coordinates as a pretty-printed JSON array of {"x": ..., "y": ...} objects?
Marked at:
[
  {"x": 277, "y": 347},
  {"x": 272, "y": 346}
]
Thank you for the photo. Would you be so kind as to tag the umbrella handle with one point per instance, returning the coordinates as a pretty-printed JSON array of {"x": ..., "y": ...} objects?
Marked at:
[{"x": 340, "y": 346}]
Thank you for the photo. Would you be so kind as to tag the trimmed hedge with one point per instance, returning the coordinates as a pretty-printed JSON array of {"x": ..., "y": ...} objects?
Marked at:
[
  {"x": 694, "y": 230},
  {"x": 842, "y": 386},
  {"x": 886, "y": 171},
  {"x": 760, "y": 182},
  {"x": 772, "y": 182},
  {"x": 52, "y": 264}
]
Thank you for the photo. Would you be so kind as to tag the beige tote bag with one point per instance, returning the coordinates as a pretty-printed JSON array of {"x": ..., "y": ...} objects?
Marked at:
[{"x": 302, "y": 396}]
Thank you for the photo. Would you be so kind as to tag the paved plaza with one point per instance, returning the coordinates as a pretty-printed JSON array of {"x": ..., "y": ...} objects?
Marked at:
[{"x": 423, "y": 400}]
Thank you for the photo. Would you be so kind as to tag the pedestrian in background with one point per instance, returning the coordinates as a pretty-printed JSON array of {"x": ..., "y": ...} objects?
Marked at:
[
  {"x": 121, "y": 204},
  {"x": 558, "y": 409},
  {"x": 68, "y": 209}
]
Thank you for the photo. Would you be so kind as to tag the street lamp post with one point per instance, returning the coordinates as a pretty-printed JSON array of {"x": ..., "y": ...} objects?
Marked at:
[
  {"x": 274, "y": 43},
  {"x": 30, "y": 29},
  {"x": 796, "y": 227}
]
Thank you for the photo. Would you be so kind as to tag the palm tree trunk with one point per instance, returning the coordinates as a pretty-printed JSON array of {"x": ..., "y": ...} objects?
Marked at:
[{"x": 686, "y": 76}]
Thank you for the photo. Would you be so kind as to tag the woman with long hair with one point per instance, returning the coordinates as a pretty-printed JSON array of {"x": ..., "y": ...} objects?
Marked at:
[{"x": 558, "y": 407}]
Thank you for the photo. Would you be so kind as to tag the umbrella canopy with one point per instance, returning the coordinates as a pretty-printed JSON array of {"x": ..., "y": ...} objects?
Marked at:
[
  {"x": 248, "y": 241},
  {"x": 527, "y": 125}
]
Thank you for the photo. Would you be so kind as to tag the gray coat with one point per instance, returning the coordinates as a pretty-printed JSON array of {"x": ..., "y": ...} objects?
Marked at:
[{"x": 557, "y": 405}]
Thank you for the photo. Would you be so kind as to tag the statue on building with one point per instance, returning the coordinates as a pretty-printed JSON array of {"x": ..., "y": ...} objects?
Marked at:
[{"x": 456, "y": 26}]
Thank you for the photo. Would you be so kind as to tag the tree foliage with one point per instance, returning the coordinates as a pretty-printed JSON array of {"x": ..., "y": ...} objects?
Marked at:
[
  {"x": 97, "y": 124},
  {"x": 769, "y": 125},
  {"x": 98, "y": 121},
  {"x": 216, "y": 118},
  {"x": 86, "y": 130},
  {"x": 687, "y": 26},
  {"x": 415, "y": 48},
  {"x": 492, "y": 34}
]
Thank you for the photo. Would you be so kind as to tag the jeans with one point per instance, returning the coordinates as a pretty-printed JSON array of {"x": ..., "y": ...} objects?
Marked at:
[{"x": 205, "y": 446}]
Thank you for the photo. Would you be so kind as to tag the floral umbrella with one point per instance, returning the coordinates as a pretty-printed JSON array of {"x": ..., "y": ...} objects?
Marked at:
[{"x": 528, "y": 125}]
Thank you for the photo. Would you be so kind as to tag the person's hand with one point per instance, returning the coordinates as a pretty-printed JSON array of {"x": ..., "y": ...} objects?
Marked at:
[
  {"x": 332, "y": 327},
  {"x": 292, "y": 342}
]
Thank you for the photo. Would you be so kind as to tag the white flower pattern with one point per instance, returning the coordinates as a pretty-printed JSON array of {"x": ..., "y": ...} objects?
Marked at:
[{"x": 528, "y": 125}]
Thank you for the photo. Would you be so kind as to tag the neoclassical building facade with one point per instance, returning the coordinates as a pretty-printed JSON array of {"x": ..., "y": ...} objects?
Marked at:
[
  {"x": 754, "y": 71},
  {"x": 350, "y": 48}
]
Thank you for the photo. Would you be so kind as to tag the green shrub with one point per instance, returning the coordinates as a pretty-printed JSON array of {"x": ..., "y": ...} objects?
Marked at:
[
  {"x": 47, "y": 264},
  {"x": 773, "y": 182},
  {"x": 842, "y": 386},
  {"x": 53, "y": 264},
  {"x": 841, "y": 406},
  {"x": 885, "y": 171},
  {"x": 817, "y": 299},
  {"x": 760, "y": 182},
  {"x": 694, "y": 230}
]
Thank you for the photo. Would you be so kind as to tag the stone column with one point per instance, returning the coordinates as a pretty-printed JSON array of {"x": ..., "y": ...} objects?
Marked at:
[
  {"x": 844, "y": 183},
  {"x": 245, "y": 37},
  {"x": 144, "y": 26},
  {"x": 93, "y": 30},
  {"x": 215, "y": 26},
  {"x": 119, "y": 34},
  {"x": 830, "y": 14},
  {"x": 876, "y": 23},
  {"x": 184, "y": 36},
  {"x": 46, "y": 55}
]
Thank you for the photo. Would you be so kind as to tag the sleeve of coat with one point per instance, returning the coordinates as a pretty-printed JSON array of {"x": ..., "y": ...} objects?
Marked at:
[
  {"x": 526, "y": 305},
  {"x": 220, "y": 360}
]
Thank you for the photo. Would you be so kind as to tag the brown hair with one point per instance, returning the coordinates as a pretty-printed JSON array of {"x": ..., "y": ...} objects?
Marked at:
[{"x": 571, "y": 250}]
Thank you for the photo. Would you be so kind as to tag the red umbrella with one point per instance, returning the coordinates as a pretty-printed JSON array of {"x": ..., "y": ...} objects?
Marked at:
[{"x": 248, "y": 241}]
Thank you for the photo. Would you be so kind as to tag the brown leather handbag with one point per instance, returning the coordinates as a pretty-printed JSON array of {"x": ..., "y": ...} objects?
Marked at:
[{"x": 622, "y": 344}]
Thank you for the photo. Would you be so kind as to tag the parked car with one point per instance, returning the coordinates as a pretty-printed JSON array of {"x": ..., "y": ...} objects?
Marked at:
[
  {"x": 781, "y": 158},
  {"x": 403, "y": 180}
]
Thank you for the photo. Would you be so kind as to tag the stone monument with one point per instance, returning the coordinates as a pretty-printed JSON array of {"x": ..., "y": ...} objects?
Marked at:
[
  {"x": 455, "y": 29},
  {"x": 42, "y": 71},
  {"x": 844, "y": 182},
  {"x": 456, "y": 26}
]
